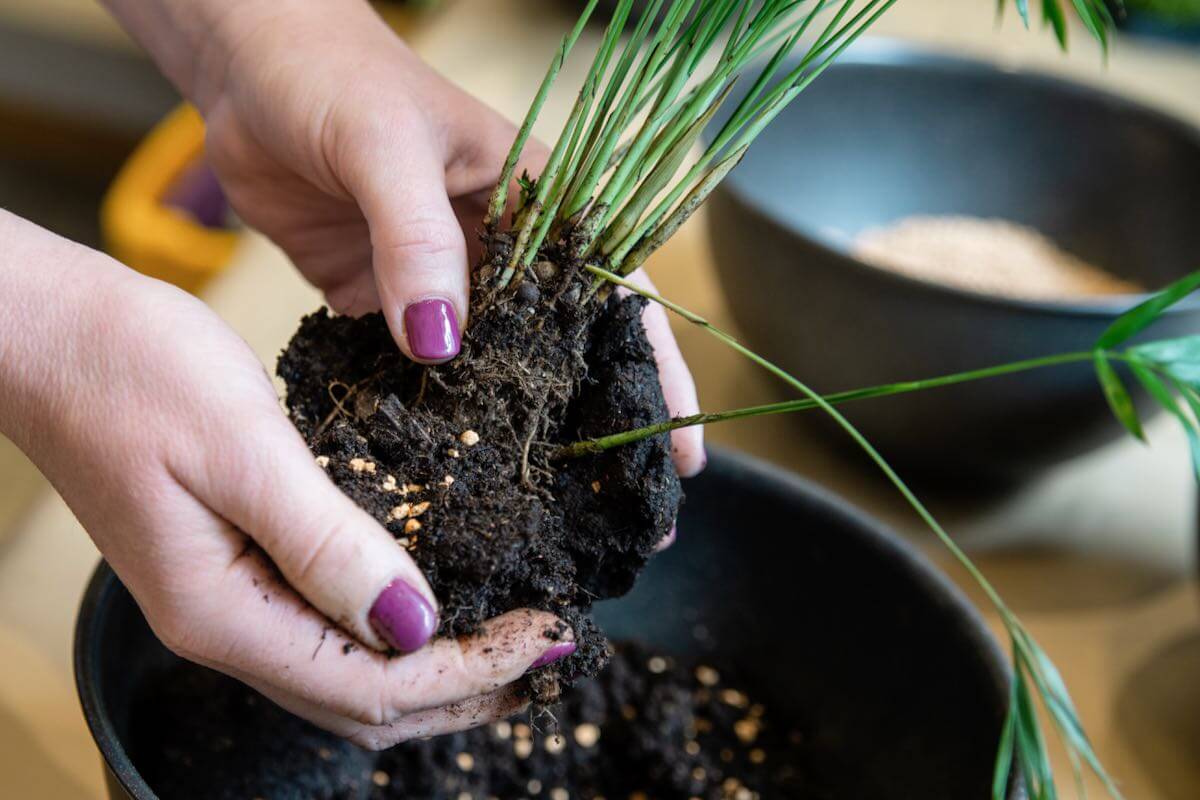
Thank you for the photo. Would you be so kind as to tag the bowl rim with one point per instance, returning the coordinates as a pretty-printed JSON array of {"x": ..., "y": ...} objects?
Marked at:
[
  {"x": 896, "y": 53},
  {"x": 891, "y": 545}
]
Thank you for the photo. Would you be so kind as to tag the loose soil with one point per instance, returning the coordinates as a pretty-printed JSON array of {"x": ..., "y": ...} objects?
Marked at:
[
  {"x": 650, "y": 727},
  {"x": 458, "y": 461}
]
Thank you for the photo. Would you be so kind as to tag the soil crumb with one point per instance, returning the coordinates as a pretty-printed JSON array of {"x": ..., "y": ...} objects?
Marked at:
[
  {"x": 990, "y": 256},
  {"x": 650, "y": 727}
]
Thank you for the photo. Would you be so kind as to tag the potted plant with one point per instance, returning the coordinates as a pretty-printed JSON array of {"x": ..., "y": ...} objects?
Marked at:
[{"x": 534, "y": 470}]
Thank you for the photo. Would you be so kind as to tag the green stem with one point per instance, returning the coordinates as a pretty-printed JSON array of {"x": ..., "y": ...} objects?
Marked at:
[
  {"x": 818, "y": 401},
  {"x": 830, "y": 45},
  {"x": 590, "y": 446},
  {"x": 525, "y": 248},
  {"x": 499, "y": 198}
]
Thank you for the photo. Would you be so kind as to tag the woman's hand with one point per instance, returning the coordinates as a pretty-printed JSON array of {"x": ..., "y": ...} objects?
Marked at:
[
  {"x": 162, "y": 431},
  {"x": 369, "y": 169}
]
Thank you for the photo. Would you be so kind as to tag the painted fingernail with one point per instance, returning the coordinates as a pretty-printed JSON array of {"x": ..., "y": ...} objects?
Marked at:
[
  {"x": 432, "y": 330},
  {"x": 667, "y": 540},
  {"x": 402, "y": 617},
  {"x": 556, "y": 651}
]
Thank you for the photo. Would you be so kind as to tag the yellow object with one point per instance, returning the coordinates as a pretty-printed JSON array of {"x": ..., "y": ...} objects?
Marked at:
[
  {"x": 143, "y": 232},
  {"x": 140, "y": 230}
]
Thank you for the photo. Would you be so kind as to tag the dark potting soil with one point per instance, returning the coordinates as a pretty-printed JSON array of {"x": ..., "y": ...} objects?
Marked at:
[
  {"x": 459, "y": 461},
  {"x": 648, "y": 727},
  {"x": 195, "y": 733}
]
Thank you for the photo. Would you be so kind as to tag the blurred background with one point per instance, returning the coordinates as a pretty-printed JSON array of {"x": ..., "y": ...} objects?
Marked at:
[{"x": 1089, "y": 535}]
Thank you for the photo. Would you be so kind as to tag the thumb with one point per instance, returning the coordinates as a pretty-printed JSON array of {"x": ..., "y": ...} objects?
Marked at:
[
  {"x": 330, "y": 551},
  {"x": 419, "y": 252}
]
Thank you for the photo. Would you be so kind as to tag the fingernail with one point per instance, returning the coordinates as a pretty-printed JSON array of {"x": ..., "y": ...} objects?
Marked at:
[
  {"x": 556, "y": 651},
  {"x": 402, "y": 617},
  {"x": 432, "y": 330}
]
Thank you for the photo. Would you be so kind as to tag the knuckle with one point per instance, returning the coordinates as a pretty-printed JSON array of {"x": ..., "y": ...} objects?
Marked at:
[
  {"x": 417, "y": 238},
  {"x": 477, "y": 671},
  {"x": 508, "y": 639},
  {"x": 312, "y": 554},
  {"x": 394, "y": 698},
  {"x": 376, "y": 739},
  {"x": 399, "y": 116}
]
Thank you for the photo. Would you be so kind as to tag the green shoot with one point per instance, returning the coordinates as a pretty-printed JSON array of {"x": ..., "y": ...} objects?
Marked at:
[
  {"x": 499, "y": 198},
  {"x": 1170, "y": 372},
  {"x": 618, "y": 182},
  {"x": 602, "y": 443},
  {"x": 1094, "y": 13}
]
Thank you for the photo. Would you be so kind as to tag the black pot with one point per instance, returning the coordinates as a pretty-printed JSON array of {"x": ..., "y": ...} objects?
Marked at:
[
  {"x": 889, "y": 132},
  {"x": 831, "y": 615}
]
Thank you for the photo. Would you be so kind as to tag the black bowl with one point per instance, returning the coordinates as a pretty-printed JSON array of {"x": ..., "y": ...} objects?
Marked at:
[
  {"x": 832, "y": 616},
  {"x": 889, "y": 132}
]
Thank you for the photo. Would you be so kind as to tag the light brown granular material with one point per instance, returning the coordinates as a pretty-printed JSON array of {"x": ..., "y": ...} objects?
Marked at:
[{"x": 990, "y": 256}]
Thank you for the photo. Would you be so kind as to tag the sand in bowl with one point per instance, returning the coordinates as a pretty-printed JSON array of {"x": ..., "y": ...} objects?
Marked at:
[
  {"x": 989, "y": 256},
  {"x": 649, "y": 727}
]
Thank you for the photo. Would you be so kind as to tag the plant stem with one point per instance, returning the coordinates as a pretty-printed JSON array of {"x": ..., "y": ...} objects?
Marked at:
[
  {"x": 1022, "y": 744},
  {"x": 561, "y": 157},
  {"x": 589, "y": 446},
  {"x": 853, "y": 432},
  {"x": 832, "y": 42},
  {"x": 499, "y": 198}
]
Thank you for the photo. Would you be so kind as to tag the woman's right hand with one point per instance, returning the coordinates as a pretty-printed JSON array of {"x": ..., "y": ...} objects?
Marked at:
[
  {"x": 370, "y": 170},
  {"x": 163, "y": 433}
]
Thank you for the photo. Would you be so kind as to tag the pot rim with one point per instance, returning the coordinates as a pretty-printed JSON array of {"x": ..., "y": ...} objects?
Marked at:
[
  {"x": 883, "y": 51},
  {"x": 104, "y": 584},
  {"x": 93, "y": 612}
]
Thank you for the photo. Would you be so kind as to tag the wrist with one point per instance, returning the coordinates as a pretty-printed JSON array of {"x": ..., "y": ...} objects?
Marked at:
[
  {"x": 196, "y": 43},
  {"x": 48, "y": 288}
]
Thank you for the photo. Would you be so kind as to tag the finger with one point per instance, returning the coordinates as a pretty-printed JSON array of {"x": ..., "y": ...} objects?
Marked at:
[
  {"x": 248, "y": 623},
  {"x": 678, "y": 387},
  {"x": 471, "y": 713},
  {"x": 667, "y": 540},
  {"x": 333, "y": 553},
  {"x": 397, "y": 176},
  {"x": 492, "y": 707}
]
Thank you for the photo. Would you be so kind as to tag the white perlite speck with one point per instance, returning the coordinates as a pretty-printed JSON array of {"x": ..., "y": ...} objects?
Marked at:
[{"x": 991, "y": 256}]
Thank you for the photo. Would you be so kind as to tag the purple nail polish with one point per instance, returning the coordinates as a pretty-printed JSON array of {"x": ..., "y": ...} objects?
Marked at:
[
  {"x": 554, "y": 653},
  {"x": 432, "y": 330},
  {"x": 402, "y": 617}
]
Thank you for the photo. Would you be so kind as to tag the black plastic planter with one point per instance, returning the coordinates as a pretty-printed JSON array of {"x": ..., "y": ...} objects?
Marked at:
[
  {"x": 890, "y": 131},
  {"x": 829, "y": 613}
]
